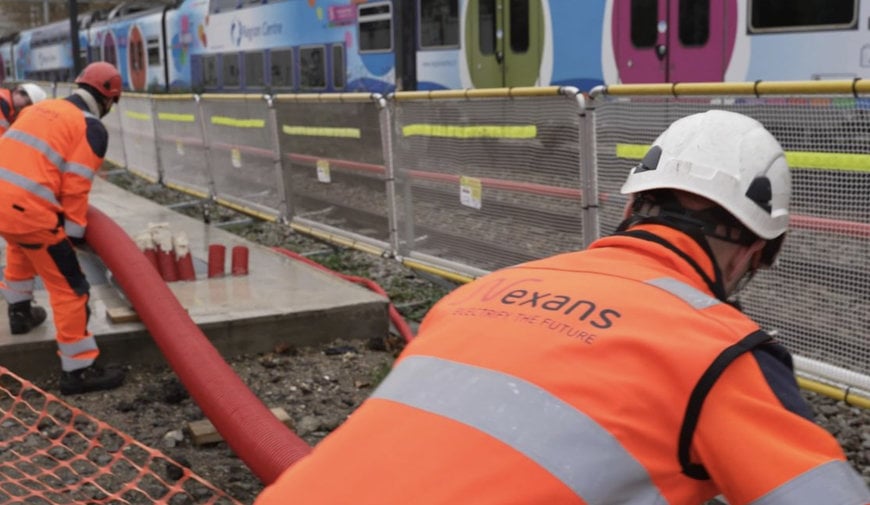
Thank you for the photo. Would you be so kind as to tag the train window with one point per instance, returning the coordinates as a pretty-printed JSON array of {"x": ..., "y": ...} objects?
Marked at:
[
  {"x": 230, "y": 66},
  {"x": 487, "y": 25},
  {"x": 109, "y": 53},
  {"x": 338, "y": 66},
  {"x": 136, "y": 56},
  {"x": 282, "y": 68},
  {"x": 254, "y": 69},
  {"x": 519, "y": 37},
  {"x": 801, "y": 15},
  {"x": 644, "y": 18},
  {"x": 375, "y": 22},
  {"x": 209, "y": 71},
  {"x": 439, "y": 23},
  {"x": 216, "y": 6},
  {"x": 694, "y": 22},
  {"x": 153, "y": 51},
  {"x": 312, "y": 68}
]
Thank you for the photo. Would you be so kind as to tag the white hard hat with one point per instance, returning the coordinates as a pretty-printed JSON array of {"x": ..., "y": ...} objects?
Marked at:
[
  {"x": 36, "y": 93},
  {"x": 725, "y": 157}
]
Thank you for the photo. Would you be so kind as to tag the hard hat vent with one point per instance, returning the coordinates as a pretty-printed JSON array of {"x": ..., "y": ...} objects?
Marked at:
[
  {"x": 760, "y": 192},
  {"x": 650, "y": 160}
]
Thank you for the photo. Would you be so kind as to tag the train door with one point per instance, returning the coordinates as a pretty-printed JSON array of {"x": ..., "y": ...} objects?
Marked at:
[
  {"x": 504, "y": 41},
  {"x": 673, "y": 40}
]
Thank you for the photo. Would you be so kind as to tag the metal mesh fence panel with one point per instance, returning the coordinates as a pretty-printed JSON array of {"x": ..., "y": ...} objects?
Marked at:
[
  {"x": 241, "y": 153},
  {"x": 62, "y": 89},
  {"x": 115, "y": 153},
  {"x": 489, "y": 182},
  {"x": 180, "y": 144},
  {"x": 334, "y": 162},
  {"x": 818, "y": 296},
  {"x": 137, "y": 126}
]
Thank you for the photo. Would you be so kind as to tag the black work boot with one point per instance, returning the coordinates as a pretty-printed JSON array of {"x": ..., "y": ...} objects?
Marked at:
[
  {"x": 24, "y": 317},
  {"x": 92, "y": 378}
]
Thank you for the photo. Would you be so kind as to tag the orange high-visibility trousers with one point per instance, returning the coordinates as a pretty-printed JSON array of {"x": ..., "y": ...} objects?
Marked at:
[{"x": 50, "y": 254}]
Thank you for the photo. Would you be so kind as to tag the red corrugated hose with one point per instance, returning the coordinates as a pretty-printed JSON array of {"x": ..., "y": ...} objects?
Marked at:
[{"x": 266, "y": 445}]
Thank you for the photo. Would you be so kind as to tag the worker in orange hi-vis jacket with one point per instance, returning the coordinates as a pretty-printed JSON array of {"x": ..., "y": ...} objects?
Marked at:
[
  {"x": 13, "y": 101},
  {"x": 48, "y": 160},
  {"x": 622, "y": 374}
]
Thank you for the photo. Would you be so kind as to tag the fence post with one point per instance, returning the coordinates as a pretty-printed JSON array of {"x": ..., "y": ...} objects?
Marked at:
[
  {"x": 386, "y": 126},
  {"x": 285, "y": 212},
  {"x": 588, "y": 169},
  {"x": 154, "y": 119},
  {"x": 206, "y": 146}
]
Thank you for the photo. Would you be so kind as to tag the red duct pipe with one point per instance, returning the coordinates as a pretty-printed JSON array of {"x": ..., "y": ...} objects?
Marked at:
[
  {"x": 395, "y": 317},
  {"x": 265, "y": 445}
]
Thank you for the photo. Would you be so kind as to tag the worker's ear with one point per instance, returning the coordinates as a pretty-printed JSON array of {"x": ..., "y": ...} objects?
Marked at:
[
  {"x": 626, "y": 211},
  {"x": 745, "y": 258}
]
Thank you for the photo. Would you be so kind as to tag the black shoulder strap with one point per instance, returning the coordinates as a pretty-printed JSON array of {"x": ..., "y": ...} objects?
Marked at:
[
  {"x": 6, "y": 110},
  {"x": 699, "y": 394}
]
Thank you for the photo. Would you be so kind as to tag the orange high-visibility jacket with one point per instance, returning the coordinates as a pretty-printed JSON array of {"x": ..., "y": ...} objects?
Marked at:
[
  {"x": 48, "y": 160},
  {"x": 7, "y": 110},
  {"x": 573, "y": 380}
]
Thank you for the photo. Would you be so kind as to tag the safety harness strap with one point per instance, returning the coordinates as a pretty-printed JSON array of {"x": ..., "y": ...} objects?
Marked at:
[{"x": 699, "y": 394}]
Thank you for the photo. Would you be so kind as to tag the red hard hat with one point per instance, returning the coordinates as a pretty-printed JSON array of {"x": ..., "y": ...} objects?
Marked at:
[{"x": 103, "y": 77}]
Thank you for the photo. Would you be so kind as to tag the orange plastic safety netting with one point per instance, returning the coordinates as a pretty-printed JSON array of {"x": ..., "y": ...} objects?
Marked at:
[{"x": 53, "y": 453}]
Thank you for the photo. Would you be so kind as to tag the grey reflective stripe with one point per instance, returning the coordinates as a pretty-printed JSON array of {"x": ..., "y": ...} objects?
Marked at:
[
  {"x": 18, "y": 291},
  {"x": 693, "y": 296},
  {"x": 25, "y": 285},
  {"x": 29, "y": 186},
  {"x": 80, "y": 170},
  {"x": 4, "y": 123},
  {"x": 73, "y": 230},
  {"x": 834, "y": 483},
  {"x": 83, "y": 345},
  {"x": 68, "y": 364},
  {"x": 564, "y": 441},
  {"x": 38, "y": 144}
]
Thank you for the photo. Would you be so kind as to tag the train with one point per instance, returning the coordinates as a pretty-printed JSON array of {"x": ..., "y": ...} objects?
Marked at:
[{"x": 325, "y": 46}]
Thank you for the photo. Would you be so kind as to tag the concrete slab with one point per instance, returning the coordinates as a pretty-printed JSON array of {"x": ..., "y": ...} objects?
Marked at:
[{"x": 280, "y": 300}]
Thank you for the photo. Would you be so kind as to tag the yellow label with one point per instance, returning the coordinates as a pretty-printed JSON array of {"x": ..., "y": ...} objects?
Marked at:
[
  {"x": 323, "y": 171},
  {"x": 470, "y": 192}
]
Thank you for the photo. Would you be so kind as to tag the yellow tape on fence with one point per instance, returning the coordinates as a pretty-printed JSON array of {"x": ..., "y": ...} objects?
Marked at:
[
  {"x": 238, "y": 123},
  {"x": 322, "y": 131},
  {"x": 142, "y": 116},
  {"x": 471, "y": 132},
  {"x": 178, "y": 118},
  {"x": 829, "y": 161},
  {"x": 796, "y": 159}
]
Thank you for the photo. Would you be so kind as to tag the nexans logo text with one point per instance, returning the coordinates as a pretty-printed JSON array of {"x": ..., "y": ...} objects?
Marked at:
[
  {"x": 527, "y": 296},
  {"x": 584, "y": 310}
]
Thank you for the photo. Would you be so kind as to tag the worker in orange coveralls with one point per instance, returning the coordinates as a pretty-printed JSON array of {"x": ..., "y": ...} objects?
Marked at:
[
  {"x": 12, "y": 101},
  {"x": 622, "y": 374},
  {"x": 48, "y": 160}
]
